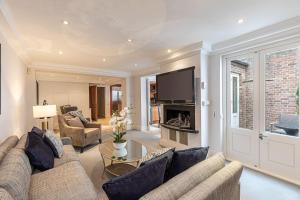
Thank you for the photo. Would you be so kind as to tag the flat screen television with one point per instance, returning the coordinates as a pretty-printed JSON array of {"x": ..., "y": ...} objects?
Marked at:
[{"x": 176, "y": 86}]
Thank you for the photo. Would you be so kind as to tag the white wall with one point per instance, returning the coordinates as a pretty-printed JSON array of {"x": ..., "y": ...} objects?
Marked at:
[{"x": 13, "y": 118}]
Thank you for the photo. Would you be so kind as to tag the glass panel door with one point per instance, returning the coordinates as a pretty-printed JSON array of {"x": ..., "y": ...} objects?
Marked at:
[
  {"x": 242, "y": 124},
  {"x": 279, "y": 138}
]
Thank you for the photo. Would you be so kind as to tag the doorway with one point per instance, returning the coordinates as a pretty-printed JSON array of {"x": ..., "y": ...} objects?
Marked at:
[
  {"x": 262, "y": 127},
  {"x": 153, "y": 109},
  {"x": 115, "y": 98},
  {"x": 97, "y": 102}
]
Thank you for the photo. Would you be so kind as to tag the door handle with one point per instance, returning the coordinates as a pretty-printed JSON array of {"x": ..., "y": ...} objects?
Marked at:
[{"x": 262, "y": 136}]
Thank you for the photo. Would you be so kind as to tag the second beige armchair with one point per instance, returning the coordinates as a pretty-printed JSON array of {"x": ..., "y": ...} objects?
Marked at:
[{"x": 81, "y": 137}]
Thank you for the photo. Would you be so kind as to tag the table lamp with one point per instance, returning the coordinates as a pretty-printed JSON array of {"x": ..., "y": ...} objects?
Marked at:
[{"x": 44, "y": 112}]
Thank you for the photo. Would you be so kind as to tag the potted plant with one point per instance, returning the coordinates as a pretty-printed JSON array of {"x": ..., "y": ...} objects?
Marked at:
[{"x": 119, "y": 122}]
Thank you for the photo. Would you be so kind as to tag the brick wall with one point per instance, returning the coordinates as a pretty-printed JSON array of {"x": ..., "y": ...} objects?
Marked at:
[{"x": 282, "y": 79}]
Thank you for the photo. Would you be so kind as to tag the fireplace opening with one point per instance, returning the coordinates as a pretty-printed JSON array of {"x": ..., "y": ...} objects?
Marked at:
[
  {"x": 181, "y": 119},
  {"x": 180, "y": 116}
]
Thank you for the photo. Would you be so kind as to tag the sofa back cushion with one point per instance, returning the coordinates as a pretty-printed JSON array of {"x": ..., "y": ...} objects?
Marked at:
[
  {"x": 22, "y": 142},
  {"x": 15, "y": 173},
  {"x": 7, "y": 145},
  {"x": 221, "y": 185},
  {"x": 4, "y": 195},
  {"x": 185, "y": 181}
]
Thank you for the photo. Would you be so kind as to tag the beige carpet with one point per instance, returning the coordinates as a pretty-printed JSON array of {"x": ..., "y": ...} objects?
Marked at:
[{"x": 92, "y": 161}]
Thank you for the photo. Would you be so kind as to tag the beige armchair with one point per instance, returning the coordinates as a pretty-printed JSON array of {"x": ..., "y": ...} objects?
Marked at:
[{"x": 81, "y": 137}]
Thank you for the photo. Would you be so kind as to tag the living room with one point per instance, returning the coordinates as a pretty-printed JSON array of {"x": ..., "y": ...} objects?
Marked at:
[{"x": 201, "y": 99}]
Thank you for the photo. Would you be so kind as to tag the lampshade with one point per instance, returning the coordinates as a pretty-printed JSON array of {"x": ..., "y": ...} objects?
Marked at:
[{"x": 44, "y": 111}]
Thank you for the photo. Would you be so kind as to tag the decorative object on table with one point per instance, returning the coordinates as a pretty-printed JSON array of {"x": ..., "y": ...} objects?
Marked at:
[
  {"x": 120, "y": 153},
  {"x": 54, "y": 143},
  {"x": 134, "y": 185},
  {"x": 119, "y": 122},
  {"x": 44, "y": 112}
]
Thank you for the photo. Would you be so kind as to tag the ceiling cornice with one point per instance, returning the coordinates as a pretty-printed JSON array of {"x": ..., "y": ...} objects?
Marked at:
[
  {"x": 187, "y": 51},
  {"x": 287, "y": 29},
  {"x": 78, "y": 69}
]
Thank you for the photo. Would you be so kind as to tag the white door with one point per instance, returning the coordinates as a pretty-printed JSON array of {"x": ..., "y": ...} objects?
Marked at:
[
  {"x": 242, "y": 133},
  {"x": 279, "y": 128},
  {"x": 235, "y": 99}
]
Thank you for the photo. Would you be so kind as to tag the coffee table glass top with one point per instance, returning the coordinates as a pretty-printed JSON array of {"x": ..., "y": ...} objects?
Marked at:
[{"x": 132, "y": 152}]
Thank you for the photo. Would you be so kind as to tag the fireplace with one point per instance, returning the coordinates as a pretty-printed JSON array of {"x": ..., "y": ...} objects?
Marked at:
[{"x": 179, "y": 116}]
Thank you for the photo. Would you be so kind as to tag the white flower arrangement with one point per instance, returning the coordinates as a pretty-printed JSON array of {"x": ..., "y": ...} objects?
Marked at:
[{"x": 119, "y": 122}]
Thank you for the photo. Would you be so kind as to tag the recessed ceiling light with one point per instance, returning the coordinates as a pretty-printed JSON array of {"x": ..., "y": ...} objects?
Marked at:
[
  {"x": 169, "y": 50},
  {"x": 129, "y": 40},
  {"x": 65, "y": 22},
  {"x": 104, "y": 59},
  {"x": 60, "y": 52},
  {"x": 135, "y": 65},
  {"x": 240, "y": 21}
]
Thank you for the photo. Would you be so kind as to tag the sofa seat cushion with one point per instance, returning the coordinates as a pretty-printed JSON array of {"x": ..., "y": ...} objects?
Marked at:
[
  {"x": 7, "y": 145},
  {"x": 68, "y": 156},
  {"x": 66, "y": 182},
  {"x": 15, "y": 173},
  {"x": 91, "y": 131},
  {"x": 185, "y": 181}
]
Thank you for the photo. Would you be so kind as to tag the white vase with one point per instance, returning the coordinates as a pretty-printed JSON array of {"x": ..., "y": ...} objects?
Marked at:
[
  {"x": 120, "y": 152},
  {"x": 119, "y": 145}
]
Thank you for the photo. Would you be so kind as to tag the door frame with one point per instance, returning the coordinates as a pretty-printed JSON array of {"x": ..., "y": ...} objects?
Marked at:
[
  {"x": 285, "y": 139},
  {"x": 252, "y": 158},
  {"x": 286, "y": 42}
]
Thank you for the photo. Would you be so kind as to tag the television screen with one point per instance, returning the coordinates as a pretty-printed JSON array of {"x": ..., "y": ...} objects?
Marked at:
[{"x": 176, "y": 86}]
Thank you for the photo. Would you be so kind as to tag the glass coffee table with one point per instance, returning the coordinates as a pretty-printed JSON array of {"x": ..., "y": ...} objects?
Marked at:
[{"x": 120, "y": 162}]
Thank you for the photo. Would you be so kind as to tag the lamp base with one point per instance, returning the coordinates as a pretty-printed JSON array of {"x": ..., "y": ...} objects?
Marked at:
[{"x": 45, "y": 125}]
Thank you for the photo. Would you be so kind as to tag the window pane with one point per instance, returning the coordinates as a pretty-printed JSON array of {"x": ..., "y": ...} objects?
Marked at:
[
  {"x": 242, "y": 72},
  {"x": 281, "y": 92}
]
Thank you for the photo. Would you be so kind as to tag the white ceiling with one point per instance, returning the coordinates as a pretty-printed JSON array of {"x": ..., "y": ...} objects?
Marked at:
[{"x": 100, "y": 29}]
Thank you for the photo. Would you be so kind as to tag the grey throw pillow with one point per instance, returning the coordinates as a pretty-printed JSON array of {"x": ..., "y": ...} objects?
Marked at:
[
  {"x": 55, "y": 143},
  {"x": 75, "y": 122},
  {"x": 80, "y": 115}
]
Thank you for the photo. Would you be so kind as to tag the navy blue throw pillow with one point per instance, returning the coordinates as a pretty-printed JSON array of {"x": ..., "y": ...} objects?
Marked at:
[
  {"x": 136, "y": 184},
  {"x": 39, "y": 153},
  {"x": 169, "y": 155},
  {"x": 185, "y": 159},
  {"x": 37, "y": 131}
]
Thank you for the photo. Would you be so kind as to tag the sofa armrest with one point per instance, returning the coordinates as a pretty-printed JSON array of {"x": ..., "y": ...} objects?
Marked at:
[
  {"x": 93, "y": 125},
  {"x": 66, "y": 140}
]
